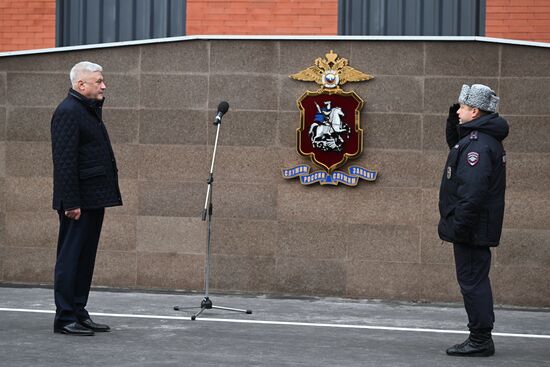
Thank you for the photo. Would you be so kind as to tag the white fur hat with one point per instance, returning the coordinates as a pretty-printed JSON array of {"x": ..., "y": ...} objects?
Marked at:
[{"x": 479, "y": 96}]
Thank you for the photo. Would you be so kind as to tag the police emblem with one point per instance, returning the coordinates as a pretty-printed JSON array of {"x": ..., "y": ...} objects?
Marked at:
[
  {"x": 473, "y": 158},
  {"x": 330, "y": 132}
]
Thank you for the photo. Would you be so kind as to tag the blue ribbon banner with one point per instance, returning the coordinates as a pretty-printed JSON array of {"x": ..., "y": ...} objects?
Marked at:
[{"x": 324, "y": 178}]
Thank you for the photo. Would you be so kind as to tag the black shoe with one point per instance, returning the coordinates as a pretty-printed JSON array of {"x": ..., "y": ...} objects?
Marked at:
[
  {"x": 74, "y": 328},
  {"x": 89, "y": 324},
  {"x": 470, "y": 348}
]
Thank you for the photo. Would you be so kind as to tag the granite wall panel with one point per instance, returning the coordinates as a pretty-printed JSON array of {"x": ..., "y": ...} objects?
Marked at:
[
  {"x": 269, "y": 234},
  {"x": 3, "y": 123},
  {"x": 29, "y": 124},
  {"x": 32, "y": 229}
]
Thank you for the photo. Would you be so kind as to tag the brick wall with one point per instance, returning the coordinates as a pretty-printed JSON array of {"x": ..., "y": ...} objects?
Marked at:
[
  {"x": 27, "y": 24},
  {"x": 281, "y": 17},
  {"x": 518, "y": 19}
]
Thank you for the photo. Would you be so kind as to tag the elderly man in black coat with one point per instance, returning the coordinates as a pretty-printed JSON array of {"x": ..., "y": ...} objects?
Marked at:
[
  {"x": 85, "y": 182},
  {"x": 471, "y": 205}
]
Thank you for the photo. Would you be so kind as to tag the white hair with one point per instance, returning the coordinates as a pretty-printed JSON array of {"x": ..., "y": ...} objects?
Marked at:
[{"x": 81, "y": 68}]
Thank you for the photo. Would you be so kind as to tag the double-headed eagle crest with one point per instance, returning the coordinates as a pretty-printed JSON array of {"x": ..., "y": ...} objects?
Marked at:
[{"x": 330, "y": 73}]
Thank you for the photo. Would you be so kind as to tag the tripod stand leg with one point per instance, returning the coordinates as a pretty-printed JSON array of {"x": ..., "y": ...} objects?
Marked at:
[{"x": 233, "y": 309}]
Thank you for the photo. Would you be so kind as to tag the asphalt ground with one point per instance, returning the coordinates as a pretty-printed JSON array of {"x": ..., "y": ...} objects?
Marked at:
[{"x": 147, "y": 331}]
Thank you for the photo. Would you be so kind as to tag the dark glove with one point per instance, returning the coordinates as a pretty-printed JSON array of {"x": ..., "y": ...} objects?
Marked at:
[
  {"x": 451, "y": 130},
  {"x": 453, "y": 117}
]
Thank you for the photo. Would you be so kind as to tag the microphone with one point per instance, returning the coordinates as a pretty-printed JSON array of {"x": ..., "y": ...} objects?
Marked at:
[{"x": 223, "y": 107}]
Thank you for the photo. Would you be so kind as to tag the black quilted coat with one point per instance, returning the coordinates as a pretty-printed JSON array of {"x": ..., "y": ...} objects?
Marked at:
[
  {"x": 85, "y": 173},
  {"x": 471, "y": 196}
]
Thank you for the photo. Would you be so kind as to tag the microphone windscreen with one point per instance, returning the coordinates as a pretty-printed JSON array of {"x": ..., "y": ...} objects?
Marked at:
[{"x": 223, "y": 107}]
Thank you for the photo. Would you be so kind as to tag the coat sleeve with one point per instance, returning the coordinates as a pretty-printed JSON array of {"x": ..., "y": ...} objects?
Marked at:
[
  {"x": 474, "y": 171},
  {"x": 65, "y": 144}
]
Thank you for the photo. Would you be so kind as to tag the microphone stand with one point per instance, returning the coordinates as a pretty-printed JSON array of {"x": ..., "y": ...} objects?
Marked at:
[{"x": 206, "y": 303}]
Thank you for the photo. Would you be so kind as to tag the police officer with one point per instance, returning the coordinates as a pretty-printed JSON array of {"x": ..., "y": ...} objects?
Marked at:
[
  {"x": 471, "y": 206},
  {"x": 85, "y": 182}
]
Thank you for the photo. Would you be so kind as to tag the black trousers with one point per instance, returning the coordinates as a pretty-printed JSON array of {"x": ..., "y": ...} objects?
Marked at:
[
  {"x": 472, "y": 272},
  {"x": 74, "y": 267}
]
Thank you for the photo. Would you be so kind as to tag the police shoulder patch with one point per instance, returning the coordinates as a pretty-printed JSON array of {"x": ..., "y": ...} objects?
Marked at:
[{"x": 473, "y": 158}]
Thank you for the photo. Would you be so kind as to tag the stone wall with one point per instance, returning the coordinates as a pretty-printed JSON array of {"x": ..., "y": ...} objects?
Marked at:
[{"x": 272, "y": 235}]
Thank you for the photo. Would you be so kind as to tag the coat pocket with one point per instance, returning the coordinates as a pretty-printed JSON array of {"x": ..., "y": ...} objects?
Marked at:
[{"x": 92, "y": 172}]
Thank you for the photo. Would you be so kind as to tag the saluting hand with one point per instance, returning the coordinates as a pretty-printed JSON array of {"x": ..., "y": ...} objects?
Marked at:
[{"x": 453, "y": 116}]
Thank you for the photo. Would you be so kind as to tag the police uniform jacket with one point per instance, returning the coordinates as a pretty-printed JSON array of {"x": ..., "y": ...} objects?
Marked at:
[
  {"x": 85, "y": 172},
  {"x": 471, "y": 195}
]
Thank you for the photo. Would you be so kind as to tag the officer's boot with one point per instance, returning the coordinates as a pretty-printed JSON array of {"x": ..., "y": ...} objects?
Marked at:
[{"x": 478, "y": 344}]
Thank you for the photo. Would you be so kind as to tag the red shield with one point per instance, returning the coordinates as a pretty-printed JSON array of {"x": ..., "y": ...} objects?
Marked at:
[{"x": 330, "y": 130}]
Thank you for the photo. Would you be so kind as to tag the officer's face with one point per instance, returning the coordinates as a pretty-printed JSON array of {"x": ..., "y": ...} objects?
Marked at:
[
  {"x": 467, "y": 113},
  {"x": 92, "y": 85}
]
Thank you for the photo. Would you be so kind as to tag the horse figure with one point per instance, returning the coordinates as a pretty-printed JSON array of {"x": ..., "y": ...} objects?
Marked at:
[
  {"x": 325, "y": 131},
  {"x": 335, "y": 121}
]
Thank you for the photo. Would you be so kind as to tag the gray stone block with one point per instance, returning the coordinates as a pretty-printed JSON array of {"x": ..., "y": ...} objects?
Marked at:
[
  {"x": 128, "y": 160},
  {"x": 243, "y": 274},
  {"x": 246, "y": 56},
  {"x": 250, "y": 201},
  {"x": 524, "y": 248},
  {"x": 171, "y": 235},
  {"x": 391, "y": 94},
  {"x": 122, "y": 125},
  {"x": 243, "y": 92},
  {"x": 392, "y": 131},
  {"x": 28, "y": 194},
  {"x": 395, "y": 168},
  {"x": 527, "y": 171},
  {"x": 527, "y": 209},
  {"x": 115, "y": 269},
  {"x": 173, "y": 91},
  {"x": 173, "y": 127},
  {"x": 524, "y": 96},
  {"x": 312, "y": 276},
  {"x": 299, "y": 55},
  {"x": 27, "y": 89},
  {"x": 438, "y": 281},
  {"x": 246, "y": 165},
  {"x": 29, "y": 159},
  {"x": 28, "y": 265},
  {"x": 520, "y": 61},
  {"x": 122, "y": 90},
  {"x": 32, "y": 229},
  {"x": 442, "y": 92},
  {"x": 120, "y": 59},
  {"x": 433, "y": 132},
  {"x": 287, "y": 124},
  {"x": 29, "y": 124},
  {"x": 381, "y": 58},
  {"x": 175, "y": 57},
  {"x": 528, "y": 134},
  {"x": 172, "y": 199},
  {"x": 119, "y": 232},
  {"x": 368, "y": 204},
  {"x": 3, "y": 84},
  {"x": 129, "y": 192},
  {"x": 520, "y": 285},
  {"x": 366, "y": 279},
  {"x": 245, "y": 237},
  {"x": 3, "y": 123},
  {"x": 465, "y": 59},
  {"x": 245, "y": 128},
  {"x": 173, "y": 162},
  {"x": 433, "y": 250},
  {"x": 2, "y": 159},
  {"x": 170, "y": 271}
]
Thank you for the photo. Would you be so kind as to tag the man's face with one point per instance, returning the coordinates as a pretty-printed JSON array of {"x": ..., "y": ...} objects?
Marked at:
[
  {"x": 92, "y": 85},
  {"x": 467, "y": 113}
]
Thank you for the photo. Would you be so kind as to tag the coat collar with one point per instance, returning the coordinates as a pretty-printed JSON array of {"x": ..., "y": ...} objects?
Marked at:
[{"x": 92, "y": 103}]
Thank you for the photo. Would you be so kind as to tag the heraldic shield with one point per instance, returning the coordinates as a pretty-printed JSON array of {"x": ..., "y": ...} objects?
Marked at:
[{"x": 330, "y": 131}]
